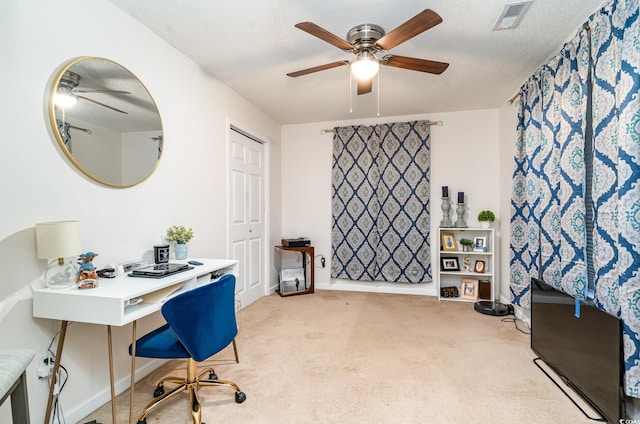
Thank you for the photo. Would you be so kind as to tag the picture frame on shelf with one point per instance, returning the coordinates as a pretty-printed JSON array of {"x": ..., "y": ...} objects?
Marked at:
[
  {"x": 448, "y": 241},
  {"x": 449, "y": 264},
  {"x": 469, "y": 289},
  {"x": 479, "y": 266},
  {"x": 480, "y": 244}
]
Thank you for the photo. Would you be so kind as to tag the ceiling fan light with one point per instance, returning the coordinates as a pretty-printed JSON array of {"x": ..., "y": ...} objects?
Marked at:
[
  {"x": 64, "y": 97},
  {"x": 365, "y": 66}
]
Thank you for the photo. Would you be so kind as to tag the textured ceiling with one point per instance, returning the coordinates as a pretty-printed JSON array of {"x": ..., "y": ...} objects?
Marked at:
[{"x": 251, "y": 45}]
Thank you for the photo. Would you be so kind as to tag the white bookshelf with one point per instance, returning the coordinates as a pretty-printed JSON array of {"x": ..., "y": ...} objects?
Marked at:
[{"x": 448, "y": 276}]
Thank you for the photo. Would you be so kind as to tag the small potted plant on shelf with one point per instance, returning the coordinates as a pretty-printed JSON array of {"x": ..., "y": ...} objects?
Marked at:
[
  {"x": 486, "y": 218},
  {"x": 467, "y": 244},
  {"x": 180, "y": 236}
]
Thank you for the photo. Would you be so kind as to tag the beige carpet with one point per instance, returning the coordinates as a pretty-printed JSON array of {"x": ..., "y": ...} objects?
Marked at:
[{"x": 348, "y": 357}]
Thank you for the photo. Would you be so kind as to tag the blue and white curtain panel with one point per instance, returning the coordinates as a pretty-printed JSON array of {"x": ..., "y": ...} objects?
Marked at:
[
  {"x": 549, "y": 206},
  {"x": 548, "y": 212},
  {"x": 616, "y": 168},
  {"x": 380, "y": 203}
]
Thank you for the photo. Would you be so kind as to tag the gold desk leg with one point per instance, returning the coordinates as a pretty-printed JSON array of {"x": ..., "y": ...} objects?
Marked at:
[
  {"x": 111, "y": 378},
  {"x": 56, "y": 367},
  {"x": 235, "y": 351},
  {"x": 133, "y": 370}
]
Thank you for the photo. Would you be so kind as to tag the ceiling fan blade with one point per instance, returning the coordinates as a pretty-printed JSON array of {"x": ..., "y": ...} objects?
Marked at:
[
  {"x": 318, "y": 68},
  {"x": 365, "y": 86},
  {"x": 102, "y": 104},
  {"x": 324, "y": 35},
  {"x": 414, "y": 26},
  {"x": 413, "y": 64},
  {"x": 88, "y": 90}
]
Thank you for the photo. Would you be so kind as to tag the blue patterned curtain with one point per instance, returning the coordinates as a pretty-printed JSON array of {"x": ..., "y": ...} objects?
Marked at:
[
  {"x": 525, "y": 212},
  {"x": 562, "y": 176},
  {"x": 616, "y": 169},
  {"x": 380, "y": 205},
  {"x": 548, "y": 185},
  {"x": 548, "y": 215}
]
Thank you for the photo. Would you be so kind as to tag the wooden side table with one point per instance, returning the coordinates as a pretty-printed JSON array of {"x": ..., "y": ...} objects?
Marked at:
[{"x": 306, "y": 250}]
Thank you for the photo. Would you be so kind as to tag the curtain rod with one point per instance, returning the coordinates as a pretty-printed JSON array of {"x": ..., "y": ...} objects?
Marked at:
[
  {"x": 331, "y": 130},
  {"x": 513, "y": 99}
]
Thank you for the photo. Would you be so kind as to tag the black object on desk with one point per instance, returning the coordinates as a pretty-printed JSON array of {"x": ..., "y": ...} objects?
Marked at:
[{"x": 159, "y": 270}]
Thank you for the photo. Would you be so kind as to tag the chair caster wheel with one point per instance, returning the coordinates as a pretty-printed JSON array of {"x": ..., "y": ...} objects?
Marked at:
[
  {"x": 212, "y": 376},
  {"x": 159, "y": 391},
  {"x": 240, "y": 397}
]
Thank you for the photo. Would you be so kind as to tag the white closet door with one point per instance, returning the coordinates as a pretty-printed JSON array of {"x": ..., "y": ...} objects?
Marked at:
[{"x": 247, "y": 226}]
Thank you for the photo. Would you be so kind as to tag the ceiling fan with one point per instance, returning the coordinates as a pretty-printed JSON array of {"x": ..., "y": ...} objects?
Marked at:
[
  {"x": 367, "y": 39},
  {"x": 66, "y": 94}
]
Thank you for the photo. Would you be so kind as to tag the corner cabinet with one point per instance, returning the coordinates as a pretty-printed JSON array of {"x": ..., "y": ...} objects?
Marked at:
[{"x": 466, "y": 276}]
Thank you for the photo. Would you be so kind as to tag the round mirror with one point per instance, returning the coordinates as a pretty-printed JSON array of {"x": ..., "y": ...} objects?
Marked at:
[{"x": 105, "y": 121}]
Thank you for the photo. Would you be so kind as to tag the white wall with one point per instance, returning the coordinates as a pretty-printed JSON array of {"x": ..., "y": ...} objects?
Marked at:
[
  {"x": 36, "y": 37},
  {"x": 464, "y": 156}
]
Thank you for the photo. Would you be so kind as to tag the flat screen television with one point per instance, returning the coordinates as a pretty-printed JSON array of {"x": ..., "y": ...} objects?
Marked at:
[{"x": 586, "y": 352}]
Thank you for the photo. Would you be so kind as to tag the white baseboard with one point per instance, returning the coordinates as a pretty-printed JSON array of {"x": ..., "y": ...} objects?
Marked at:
[{"x": 427, "y": 289}]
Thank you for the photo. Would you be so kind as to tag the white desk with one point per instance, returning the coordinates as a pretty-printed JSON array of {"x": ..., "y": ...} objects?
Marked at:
[{"x": 105, "y": 305}]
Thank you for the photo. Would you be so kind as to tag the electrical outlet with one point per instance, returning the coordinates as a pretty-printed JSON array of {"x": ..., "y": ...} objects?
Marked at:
[{"x": 45, "y": 365}]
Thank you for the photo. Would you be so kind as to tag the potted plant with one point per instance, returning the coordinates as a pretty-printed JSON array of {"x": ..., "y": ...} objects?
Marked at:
[
  {"x": 180, "y": 236},
  {"x": 467, "y": 244},
  {"x": 486, "y": 218}
]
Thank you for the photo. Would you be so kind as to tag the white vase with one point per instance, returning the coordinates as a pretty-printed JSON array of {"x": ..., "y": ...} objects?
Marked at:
[
  {"x": 181, "y": 251},
  {"x": 485, "y": 224}
]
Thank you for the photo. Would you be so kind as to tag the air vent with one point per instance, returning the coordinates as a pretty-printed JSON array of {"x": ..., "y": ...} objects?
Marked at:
[{"x": 512, "y": 15}]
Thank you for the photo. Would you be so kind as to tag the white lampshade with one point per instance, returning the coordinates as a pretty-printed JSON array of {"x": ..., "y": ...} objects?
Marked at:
[
  {"x": 59, "y": 239},
  {"x": 365, "y": 66}
]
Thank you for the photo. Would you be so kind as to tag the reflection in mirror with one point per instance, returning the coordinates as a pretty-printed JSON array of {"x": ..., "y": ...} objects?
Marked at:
[{"x": 105, "y": 121}]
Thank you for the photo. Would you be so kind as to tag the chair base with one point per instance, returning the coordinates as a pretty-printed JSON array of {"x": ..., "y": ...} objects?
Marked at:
[{"x": 191, "y": 384}]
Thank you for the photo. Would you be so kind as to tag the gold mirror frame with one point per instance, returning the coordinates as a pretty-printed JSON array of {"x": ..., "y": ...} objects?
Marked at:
[{"x": 115, "y": 122}]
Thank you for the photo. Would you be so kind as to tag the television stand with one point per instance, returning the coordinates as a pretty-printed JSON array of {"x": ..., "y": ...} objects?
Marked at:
[{"x": 538, "y": 359}]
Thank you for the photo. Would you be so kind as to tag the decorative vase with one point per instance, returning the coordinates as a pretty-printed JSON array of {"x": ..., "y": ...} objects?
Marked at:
[
  {"x": 181, "y": 251},
  {"x": 485, "y": 224}
]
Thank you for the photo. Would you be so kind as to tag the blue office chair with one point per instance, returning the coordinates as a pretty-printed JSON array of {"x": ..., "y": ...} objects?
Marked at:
[{"x": 200, "y": 323}]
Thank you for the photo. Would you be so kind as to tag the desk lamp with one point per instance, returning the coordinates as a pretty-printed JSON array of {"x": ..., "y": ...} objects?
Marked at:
[{"x": 59, "y": 240}]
